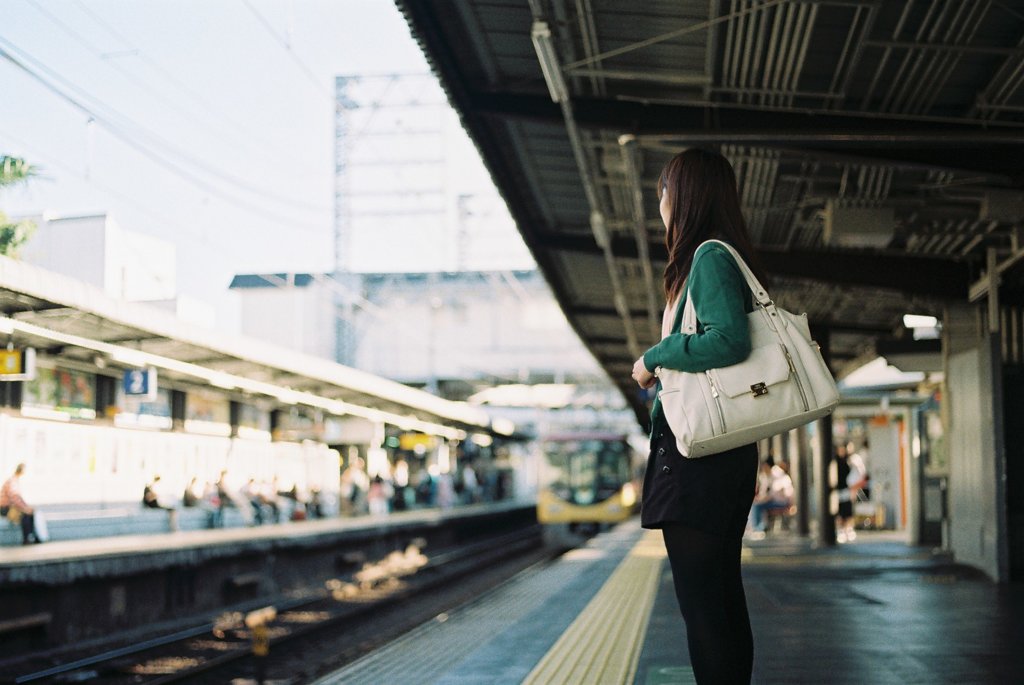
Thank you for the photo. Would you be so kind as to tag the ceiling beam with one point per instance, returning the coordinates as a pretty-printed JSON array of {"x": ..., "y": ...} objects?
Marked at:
[
  {"x": 993, "y": 149},
  {"x": 740, "y": 124},
  {"x": 588, "y": 310},
  {"x": 816, "y": 324},
  {"x": 912, "y": 274}
]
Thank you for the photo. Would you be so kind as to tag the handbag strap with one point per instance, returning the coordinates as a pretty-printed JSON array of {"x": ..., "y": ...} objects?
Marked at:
[{"x": 689, "y": 324}]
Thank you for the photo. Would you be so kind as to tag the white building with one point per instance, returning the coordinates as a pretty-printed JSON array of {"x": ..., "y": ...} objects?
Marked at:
[
  {"x": 95, "y": 249},
  {"x": 294, "y": 311},
  {"x": 491, "y": 327},
  {"x": 124, "y": 264},
  {"x": 495, "y": 338}
]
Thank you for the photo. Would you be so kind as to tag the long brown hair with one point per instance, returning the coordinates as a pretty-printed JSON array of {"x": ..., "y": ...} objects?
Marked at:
[{"x": 704, "y": 203}]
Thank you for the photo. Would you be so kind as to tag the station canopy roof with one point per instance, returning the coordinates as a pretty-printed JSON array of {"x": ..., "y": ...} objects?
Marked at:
[
  {"x": 79, "y": 322},
  {"x": 878, "y": 147}
]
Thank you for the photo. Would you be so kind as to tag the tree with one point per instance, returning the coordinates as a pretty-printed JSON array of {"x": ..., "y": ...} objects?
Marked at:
[{"x": 14, "y": 234}]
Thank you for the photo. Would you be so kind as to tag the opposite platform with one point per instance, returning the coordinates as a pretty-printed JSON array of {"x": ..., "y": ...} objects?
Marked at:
[{"x": 876, "y": 611}]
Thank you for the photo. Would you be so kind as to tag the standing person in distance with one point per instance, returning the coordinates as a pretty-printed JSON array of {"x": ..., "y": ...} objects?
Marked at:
[{"x": 701, "y": 505}]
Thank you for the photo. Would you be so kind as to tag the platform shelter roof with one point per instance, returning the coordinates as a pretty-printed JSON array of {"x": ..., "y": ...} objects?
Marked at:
[
  {"x": 877, "y": 145},
  {"x": 76, "y": 321}
]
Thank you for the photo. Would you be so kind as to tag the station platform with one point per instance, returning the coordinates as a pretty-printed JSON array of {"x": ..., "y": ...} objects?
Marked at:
[
  {"x": 65, "y": 593},
  {"x": 874, "y": 611}
]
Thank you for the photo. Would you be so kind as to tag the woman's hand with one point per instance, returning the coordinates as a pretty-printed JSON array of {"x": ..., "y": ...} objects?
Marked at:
[{"x": 643, "y": 377}]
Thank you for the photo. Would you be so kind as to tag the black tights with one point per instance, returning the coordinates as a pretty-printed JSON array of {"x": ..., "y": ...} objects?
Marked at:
[{"x": 706, "y": 573}]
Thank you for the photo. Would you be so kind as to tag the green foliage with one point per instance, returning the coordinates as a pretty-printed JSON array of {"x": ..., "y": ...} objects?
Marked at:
[
  {"x": 14, "y": 170},
  {"x": 14, "y": 234}
]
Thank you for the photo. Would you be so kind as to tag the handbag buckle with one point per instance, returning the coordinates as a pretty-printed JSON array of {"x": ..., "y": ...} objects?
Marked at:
[{"x": 758, "y": 389}]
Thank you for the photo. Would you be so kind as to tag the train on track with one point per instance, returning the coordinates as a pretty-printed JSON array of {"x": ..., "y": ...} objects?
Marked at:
[{"x": 588, "y": 480}]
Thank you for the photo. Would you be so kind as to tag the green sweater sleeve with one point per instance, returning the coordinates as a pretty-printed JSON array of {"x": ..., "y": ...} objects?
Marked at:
[{"x": 721, "y": 297}]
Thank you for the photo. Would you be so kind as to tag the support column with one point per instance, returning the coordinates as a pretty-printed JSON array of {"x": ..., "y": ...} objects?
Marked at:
[
  {"x": 802, "y": 471},
  {"x": 826, "y": 520},
  {"x": 975, "y": 434}
]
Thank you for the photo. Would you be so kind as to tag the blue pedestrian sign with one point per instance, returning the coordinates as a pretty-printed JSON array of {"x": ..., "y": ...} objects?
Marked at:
[{"x": 140, "y": 383}]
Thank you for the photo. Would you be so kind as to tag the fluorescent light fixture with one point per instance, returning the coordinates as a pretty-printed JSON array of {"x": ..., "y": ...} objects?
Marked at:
[
  {"x": 222, "y": 380},
  {"x": 6, "y": 325},
  {"x": 482, "y": 439},
  {"x": 287, "y": 396},
  {"x": 386, "y": 390},
  {"x": 548, "y": 58},
  {"x": 503, "y": 426},
  {"x": 125, "y": 355},
  {"x": 337, "y": 408},
  {"x": 917, "y": 321}
]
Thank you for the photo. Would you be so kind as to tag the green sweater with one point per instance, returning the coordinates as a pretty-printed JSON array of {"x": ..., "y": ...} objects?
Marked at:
[{"x": 722, "y": 300}]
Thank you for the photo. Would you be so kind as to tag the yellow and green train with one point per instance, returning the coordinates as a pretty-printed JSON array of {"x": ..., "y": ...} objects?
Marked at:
[{"x": 587, "y": 479}]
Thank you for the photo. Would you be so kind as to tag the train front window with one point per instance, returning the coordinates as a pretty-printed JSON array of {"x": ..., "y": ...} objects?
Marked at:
[{"x": 588, "y": 471}]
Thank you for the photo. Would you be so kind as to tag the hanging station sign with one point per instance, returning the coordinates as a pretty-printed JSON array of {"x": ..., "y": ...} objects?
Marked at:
[
  {"x": 18, "y": 364},
  {"x": 140, "y": 383}
]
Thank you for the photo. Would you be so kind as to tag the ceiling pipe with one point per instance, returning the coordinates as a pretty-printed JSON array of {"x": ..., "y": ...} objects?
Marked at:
[
  {"x": 631, "y": 164},
  {"x": 554, "y": 78}
]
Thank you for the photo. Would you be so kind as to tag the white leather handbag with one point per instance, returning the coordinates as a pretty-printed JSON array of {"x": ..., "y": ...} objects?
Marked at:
[{"x": 783, "y": 384}]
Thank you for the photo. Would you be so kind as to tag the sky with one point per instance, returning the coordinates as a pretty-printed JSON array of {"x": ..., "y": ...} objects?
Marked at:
[{"x": 210, "y": 124}]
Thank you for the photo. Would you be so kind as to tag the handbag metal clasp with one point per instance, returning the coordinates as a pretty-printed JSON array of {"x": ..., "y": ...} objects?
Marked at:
[{"x": 758, "y": 389}]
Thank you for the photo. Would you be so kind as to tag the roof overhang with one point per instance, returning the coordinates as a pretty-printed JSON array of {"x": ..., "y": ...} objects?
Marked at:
[
  {"x": 78, "y": 321},
  {"x": 824, "y": 108}
]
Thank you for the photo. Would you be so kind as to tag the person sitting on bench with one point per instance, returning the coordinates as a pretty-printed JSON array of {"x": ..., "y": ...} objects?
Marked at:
[
  {"x": 774, "y": 492},
  {"x": 151, "y": 500},
  {"x": 14, "y": 507}
]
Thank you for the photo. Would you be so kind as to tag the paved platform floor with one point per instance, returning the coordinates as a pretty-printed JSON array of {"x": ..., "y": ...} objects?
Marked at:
[
  {"x": 872, "y": 612},
  {"x": 875, "y": 611}
]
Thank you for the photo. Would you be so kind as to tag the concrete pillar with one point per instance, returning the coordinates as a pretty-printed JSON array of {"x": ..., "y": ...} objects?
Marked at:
[
  {"x": 802, "y": 478},
  {"x": 974, "y": 432},
  {"x": 826, "y": 520}
]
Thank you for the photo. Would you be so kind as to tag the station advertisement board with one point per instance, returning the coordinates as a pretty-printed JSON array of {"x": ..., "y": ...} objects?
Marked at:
[
  {"x": 60, "y": 393},
  {"x": 134, "y": 411},
  {"x": 207, "y": 412}
]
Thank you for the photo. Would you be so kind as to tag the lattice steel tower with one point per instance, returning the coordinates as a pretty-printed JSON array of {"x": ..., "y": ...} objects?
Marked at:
[{"x": 389, "y": 176}]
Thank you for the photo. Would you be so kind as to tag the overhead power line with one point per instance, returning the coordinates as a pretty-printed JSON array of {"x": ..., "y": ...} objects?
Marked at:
[
  {"x": 232, "y": 126},
  {"x": 131, "y": 141},
  {"x": 303, "y": 67},
  {"x": 260, "y": 192},
  {"x": 147, "y": 211}
]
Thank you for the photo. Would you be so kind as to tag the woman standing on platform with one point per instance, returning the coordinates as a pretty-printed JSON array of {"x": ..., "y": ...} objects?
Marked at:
[{"x": 701, "y": 505}]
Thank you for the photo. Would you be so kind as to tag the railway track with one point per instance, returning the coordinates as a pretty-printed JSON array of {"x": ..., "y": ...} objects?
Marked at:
[{"x": 300, "y": 639}]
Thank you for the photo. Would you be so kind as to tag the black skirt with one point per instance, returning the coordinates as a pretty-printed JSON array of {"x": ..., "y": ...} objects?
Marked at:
[{"x": 712, "y": 493}]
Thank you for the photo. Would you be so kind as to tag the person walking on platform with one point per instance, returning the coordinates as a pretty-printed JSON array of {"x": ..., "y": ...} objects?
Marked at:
[
  {"x": 701, "y": 505},
  {"x": 14, "y": 507},
  {"x": 851, "y": 476}
]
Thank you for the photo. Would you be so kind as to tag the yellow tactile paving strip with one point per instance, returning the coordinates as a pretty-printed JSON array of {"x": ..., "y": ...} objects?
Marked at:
[{"x": 603, "y": 644}]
